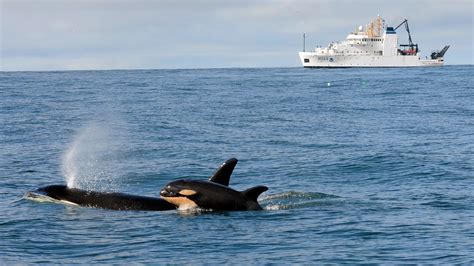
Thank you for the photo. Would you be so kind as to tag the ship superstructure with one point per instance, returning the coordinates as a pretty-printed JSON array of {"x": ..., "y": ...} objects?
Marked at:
[{"x": 375, "y": 45}]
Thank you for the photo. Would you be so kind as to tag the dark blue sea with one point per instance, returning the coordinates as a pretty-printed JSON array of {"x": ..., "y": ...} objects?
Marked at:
[{"x": 363, "y": 165}]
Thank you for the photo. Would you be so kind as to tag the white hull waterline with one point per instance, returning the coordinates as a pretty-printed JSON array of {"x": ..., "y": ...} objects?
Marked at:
[
  {"x": 374, "y": 46},
  {"x": 316, "y": 60}
]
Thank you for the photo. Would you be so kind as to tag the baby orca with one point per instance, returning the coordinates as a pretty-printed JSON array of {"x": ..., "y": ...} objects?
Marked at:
[{"x": 186, "y": 194}]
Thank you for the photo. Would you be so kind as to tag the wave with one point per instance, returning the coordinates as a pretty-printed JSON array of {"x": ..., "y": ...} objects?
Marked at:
[{"x": 295, "y": 200}]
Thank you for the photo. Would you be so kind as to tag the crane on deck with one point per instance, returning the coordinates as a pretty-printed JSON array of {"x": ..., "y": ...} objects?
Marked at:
[{"x": 413, "y": 48}]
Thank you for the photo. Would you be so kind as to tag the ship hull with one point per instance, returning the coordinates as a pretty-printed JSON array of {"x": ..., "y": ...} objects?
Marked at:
[{"x": 315, "y": 60}]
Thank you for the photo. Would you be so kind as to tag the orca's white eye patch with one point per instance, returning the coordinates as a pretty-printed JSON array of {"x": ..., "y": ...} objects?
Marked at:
[{"x": 187, "y": 192}]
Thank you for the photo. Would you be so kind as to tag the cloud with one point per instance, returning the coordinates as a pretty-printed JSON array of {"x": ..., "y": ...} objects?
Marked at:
[{"x": 105, "y": 34}]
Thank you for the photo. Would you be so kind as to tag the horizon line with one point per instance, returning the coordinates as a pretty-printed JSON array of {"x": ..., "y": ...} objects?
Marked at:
[{"x": 200, "y": 68}]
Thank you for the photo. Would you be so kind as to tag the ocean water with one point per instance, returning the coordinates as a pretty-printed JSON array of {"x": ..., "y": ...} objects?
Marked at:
[{"x": 363, "y": 165}]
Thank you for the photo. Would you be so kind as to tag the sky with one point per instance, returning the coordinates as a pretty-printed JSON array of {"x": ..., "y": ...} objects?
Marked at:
[{"x": 37, "y": 35}]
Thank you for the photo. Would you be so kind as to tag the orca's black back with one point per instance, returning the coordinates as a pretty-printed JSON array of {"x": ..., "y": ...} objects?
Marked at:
[{"x": 106, "y": 200}]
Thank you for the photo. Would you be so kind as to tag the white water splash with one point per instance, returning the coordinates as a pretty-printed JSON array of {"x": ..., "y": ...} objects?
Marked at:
[
  {"x": 295, "y": 200},
  {"x": 88, "y": 162}
]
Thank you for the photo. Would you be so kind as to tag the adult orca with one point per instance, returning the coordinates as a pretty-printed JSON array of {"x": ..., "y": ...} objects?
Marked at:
[
  {"x": 104, "y": 200},
  {"x": 121, "y": 201},
  {"x": 189, "y": 194}
]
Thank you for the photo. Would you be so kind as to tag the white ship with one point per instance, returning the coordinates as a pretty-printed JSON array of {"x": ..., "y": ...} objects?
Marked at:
[{"x": 375, "y": 45}]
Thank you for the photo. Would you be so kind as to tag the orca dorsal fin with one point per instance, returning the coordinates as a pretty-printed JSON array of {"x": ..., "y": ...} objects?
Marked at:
[
  {"x": 223, "y": 173},
  {"x": 253, "y": 192}
]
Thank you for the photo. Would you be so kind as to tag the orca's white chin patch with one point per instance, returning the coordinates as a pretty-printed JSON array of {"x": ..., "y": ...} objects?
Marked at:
[
  {"x": 182, "y": 203},
  {"x": 69, "y": 203},
  {"x": 38, "y": 197}
]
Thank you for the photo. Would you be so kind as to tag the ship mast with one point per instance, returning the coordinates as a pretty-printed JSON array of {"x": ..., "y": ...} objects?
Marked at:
[
  {"x": 374, "y": 28},
  {"x": 304, "y": 42}
]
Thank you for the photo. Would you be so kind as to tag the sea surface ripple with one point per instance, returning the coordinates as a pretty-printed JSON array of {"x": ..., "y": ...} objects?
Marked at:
[{"x": 363, "y": 165}]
